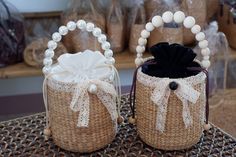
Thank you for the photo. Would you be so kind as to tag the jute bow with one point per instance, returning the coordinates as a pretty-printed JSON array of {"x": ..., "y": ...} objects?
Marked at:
[
  {"x": 80, "y": 100},
  {"x": 160, "y": 95}
]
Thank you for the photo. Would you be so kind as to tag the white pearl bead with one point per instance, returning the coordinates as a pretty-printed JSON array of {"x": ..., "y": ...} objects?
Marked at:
[
  {"x": 206, "y": 63},
  {"x": 97, "y": 32},
  {"x": 205, "y": 52},
  {"x": 47, "y": 61},
  {"x": 206, "y": 57},
  {"x": 46, "y": 70},
  {"x": 106, "y": 45},
  {"x": 142, "y": 41},
  {"x": 52, "y": 45},
  {"x": 49, "y": 53},
  {"x": 196, "y": 29},
  {"x": 71, "y": 25},
  {"x": 63, "y": 30},
  {"x": 111, "y": 61},
  {"x": 167, "y": 16},
  {"x": 108, "y": 53},
  {"x": 102, "y": 38},
  {"x": 149, "y": 27},
  {"x": 56, "y": 37},
  {"x": 138, "y": 61},
  {"x": 189, "y": 22},
  {"x": 139, "y": 55},
  {"x": 140, "y": 49},
  {"x": 92, "y": 89},
  {"x": 179, "y": 16},
  {"x": 81, "y": 24},
  {"x": 145, "y": 34},
  {"x": 90, "y": 27},
  {"x": 157, "y": 21},
  {"x": 200, "y": 36},
  {"x": 203, "y": 44}
]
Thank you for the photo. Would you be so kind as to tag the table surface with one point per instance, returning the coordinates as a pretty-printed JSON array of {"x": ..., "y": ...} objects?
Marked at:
[{"x": 24, "y": 137}]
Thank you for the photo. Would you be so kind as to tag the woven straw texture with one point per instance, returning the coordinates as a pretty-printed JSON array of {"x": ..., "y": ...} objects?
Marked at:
[
  {"x": 24, "y": 137},
  {"x": 227, "y": 24},
  {"x": 63, "y": 123},
  {"x": 175, "y": 136}
]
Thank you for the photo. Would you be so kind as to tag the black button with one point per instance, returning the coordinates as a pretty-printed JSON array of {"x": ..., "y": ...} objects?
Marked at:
[{"x": 173, "y": 85}]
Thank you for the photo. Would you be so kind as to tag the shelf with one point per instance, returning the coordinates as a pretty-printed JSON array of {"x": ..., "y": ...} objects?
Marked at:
[{"x": 124, "y": 60}]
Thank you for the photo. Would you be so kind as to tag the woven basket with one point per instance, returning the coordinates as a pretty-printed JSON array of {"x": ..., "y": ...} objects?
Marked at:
[
  {"x": 175, "y": 135},
  {"x": 227, "y": 23},
  {"x": 62, "y": 120}
]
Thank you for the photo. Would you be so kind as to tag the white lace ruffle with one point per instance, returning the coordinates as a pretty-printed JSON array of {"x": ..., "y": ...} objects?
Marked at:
[{"x": 185, "y": 92}]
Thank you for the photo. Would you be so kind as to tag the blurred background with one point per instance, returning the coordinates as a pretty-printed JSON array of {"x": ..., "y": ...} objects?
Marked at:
[{"x": 26, "y": 27}]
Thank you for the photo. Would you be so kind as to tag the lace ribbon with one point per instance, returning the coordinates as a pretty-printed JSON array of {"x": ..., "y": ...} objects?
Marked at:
[
  {"x": 80, "y": 100},
  {"x": 160, "y": 95}
]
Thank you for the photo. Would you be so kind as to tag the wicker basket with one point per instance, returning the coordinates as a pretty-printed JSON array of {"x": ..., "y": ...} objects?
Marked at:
[
  {"x": 62, "y": 122},
  {"x": 227, "y": 23},
  {"x": 175, "y": 135}
]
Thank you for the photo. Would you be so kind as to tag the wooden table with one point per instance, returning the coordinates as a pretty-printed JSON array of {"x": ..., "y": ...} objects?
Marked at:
[{"x": 24, "y": 137}]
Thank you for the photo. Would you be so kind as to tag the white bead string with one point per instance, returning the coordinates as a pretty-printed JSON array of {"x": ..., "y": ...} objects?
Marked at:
[
  {"x": 178, "y": 17},
  {"x": 71, "y": 26}
]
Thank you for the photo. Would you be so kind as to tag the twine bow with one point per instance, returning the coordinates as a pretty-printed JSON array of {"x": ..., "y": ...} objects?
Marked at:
[
  {"x": 80, "y": 100},
  {"x": 185, "y": 92}
]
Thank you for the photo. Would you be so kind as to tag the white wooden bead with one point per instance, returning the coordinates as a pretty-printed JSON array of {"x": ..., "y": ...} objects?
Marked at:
[
  {"x": 63, "y": 30},
  {"x": 167, "y": 16},
  {"x": 206, "y": 63},
  {"x": 46, "y": 70},
  {"x": 196, "y": 29},
  {"x": 56, "y": 37},
  {"x": 200, "y": 36},
  {"x": 205, "y": 52},
  {"x": 97, "y": 32},
  {"x": 157, "y": 21},
  {"x": 81, "y": 24},
  {"x": 140, "y": 49},
  {"x": 149, "y": 27},
  {"x": 203, "y": 44},
  {"x": 179, "y": 16},
  {"x": 52, "y": 45},
  {"x": 108, "y": 53},
  {"x": 206, "y": 57},
  {"x": 145, "y": 34},
  {"x": 90, "y": 27},
  {"x": 71, "y": 25},
  {"x": 189, "y": 22},
  {"x": 111, "y": 61},
  {"x": 49, "y": 53},
  {"x": 92, "y": 89},
  {"x": 102, "y": 38},
  {"x": 47, "y": 61},
  {"x": 106, "y": 45},
  {"x": 138, "y": 61}
]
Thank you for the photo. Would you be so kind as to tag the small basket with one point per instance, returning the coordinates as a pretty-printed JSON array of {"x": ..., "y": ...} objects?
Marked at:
[
  {"x": 162, "y": 125},
  {"x": 227, "y": 22},
  {"x": 62, "y": 120}
]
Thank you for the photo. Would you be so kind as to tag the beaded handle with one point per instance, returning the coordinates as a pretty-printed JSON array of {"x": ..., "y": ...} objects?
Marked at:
[
  {"x": 178, "y": 17},
  {"x": 71, "y": 26}
]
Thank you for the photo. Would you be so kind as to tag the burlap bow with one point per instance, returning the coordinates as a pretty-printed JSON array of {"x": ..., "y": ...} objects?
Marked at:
[
  {"x": 80, "y": 100},
  {"x": 185, "y": 92}
]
